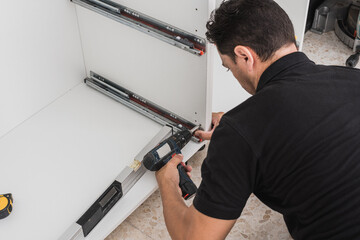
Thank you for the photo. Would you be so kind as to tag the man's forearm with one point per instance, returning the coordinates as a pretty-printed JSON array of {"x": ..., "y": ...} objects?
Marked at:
[
  {"x": 181, "y": 221},
  {"x": 175, "y": 210}
]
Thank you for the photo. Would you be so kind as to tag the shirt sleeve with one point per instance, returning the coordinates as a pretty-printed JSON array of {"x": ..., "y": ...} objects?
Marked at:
[{"x": 228, "y": 174}]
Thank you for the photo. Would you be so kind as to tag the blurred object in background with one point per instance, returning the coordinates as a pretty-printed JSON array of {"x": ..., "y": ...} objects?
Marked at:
[
  {"x": 313, "y": 5},
  {"x": 346, "y": 27},
  {"x": 327, "y": 14},
  {"x": 348, "y": 31},
  {"x": 342, "y": 16}
]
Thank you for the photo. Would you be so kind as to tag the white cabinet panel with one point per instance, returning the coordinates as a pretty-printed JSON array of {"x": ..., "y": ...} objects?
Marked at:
[
  {"x": 297, "y": 11},
  {"x": 166, "y": 75},
  {"x": 40, "y": 57},
  {"x": 75, "y": 141},
  {"x": 63, "y": 158}
]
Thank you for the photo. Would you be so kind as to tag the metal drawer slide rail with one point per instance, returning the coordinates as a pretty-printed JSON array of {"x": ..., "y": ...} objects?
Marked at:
[
  {"x": 146, "y": 24},
  {"x": 139, "y": 104}
]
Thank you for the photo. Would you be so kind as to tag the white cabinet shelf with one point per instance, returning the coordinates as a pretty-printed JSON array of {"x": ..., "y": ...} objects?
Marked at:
[{"x": 63, "y": 158}]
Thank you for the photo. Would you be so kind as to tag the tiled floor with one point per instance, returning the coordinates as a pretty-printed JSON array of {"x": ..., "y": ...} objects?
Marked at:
[{"x": 257, "y": 221}]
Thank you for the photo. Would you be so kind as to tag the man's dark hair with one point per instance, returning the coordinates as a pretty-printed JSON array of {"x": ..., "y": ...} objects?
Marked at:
[{"x": 261, "y": 25}]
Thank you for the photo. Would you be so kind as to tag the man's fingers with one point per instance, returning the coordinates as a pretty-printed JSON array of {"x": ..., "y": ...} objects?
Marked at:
[
  {"x": 176, "y": 159},
  {"x": 187, "y": 168},
  {"x": 216, "y": 117},
  {"x": 203, "y": 135}
]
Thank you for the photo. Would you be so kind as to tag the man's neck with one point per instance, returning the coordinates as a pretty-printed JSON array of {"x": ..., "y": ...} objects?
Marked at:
[
  {"x": 283, "y": 52},
  {"x": 277, "y": 55}
]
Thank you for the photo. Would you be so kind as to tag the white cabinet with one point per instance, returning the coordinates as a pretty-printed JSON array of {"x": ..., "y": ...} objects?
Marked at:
[
  {"x": 61, "y": 142},
  {"x": 40, "y": 57}
]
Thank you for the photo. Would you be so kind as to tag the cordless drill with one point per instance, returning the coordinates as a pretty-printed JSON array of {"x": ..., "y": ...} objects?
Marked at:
[{"x": 164, "y": 151}]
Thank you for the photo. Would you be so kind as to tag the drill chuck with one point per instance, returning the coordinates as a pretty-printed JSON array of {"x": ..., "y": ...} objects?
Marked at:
[{"x": 162, "y": 153}]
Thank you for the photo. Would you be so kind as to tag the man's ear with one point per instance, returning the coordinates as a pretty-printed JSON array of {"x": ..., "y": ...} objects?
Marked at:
[{"x": 245, "y": 55}]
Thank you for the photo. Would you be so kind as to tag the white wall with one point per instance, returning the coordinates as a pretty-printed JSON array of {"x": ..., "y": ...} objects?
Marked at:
[
  {"x": 227, "y": 92},
  {"x": 40, "y": 57}
]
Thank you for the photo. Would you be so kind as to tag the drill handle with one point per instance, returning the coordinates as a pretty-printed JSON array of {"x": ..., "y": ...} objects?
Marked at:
[{"x": 187, "y": 186}]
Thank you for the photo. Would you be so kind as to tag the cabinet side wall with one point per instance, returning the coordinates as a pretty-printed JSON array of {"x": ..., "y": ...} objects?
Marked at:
[{"x": 41, "y": 57}]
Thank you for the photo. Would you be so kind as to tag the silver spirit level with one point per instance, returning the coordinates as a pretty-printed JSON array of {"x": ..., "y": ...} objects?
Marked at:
[{"x": 121, "y": 185}]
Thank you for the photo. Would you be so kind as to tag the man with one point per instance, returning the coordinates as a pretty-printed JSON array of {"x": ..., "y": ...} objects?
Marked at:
[{"x": 295, "y": 143}]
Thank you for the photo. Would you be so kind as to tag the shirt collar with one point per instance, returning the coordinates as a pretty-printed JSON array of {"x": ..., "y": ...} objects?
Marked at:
[{"x": 279, "y": 66}]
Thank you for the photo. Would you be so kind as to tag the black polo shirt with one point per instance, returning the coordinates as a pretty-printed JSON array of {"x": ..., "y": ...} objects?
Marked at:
[{"x": 295, "y": 144}]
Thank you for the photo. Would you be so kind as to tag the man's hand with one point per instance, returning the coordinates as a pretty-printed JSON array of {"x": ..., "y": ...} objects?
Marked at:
[
  {"x": 216, "y": 117},
  {"x": 169, "y": 175}
]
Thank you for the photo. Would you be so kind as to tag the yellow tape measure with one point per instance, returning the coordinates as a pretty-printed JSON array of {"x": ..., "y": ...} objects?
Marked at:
[{"x": 6, "y": 202}]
